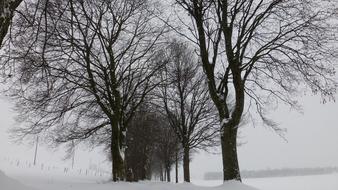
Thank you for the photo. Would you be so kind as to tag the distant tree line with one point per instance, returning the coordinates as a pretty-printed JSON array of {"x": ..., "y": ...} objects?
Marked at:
[
  {"x": 284, "y": 172},
  {"x": 153, "y": 85}
]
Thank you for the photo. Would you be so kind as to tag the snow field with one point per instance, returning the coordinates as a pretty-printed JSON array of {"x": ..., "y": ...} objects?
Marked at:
[{"x": 16, "y": 175}]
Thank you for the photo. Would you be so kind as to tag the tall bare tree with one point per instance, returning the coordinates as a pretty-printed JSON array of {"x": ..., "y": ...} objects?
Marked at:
[
  {"x": 262, "y": 51},
  {"x": 82, "y": 68},
  {"x": 186, "y": 102}
]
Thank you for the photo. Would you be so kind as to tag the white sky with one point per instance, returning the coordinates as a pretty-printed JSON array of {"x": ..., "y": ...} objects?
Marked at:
[{"x": 312, "y": 142}]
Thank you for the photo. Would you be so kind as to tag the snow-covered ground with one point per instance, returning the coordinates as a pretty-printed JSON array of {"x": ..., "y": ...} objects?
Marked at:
[
  {"x": 22, "y": 176},
  {"x": 318, "y": 182},
  {"x": 56, "y": 182},
  {"x": 314, "y": 182},
  {"x": 26, "y": 181},
  {"x": 7, "y": 183}
]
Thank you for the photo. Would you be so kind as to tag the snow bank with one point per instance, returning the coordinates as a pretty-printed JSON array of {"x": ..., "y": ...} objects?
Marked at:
[
  {"x": 235, "y": 185},
  {"x": 153, "y": 186},
  {"x": 230, "y": 185},
  {"x": 7, "y": 183}
]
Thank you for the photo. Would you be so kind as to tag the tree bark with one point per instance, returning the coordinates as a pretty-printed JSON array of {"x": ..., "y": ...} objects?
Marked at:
[
  {"x": 176, "y": 167},
  {"x": 117, "y": 160},
  {"x": 161, "y": 174},
  {"x": 229, "y": 154},
  {"x": 36, "y": 150},
  {"x": 7, "y": 9},
  {"x": 186, "y": 164},
  {"x": 168, "y": 174},
  {"x": 165, "y": 174}
]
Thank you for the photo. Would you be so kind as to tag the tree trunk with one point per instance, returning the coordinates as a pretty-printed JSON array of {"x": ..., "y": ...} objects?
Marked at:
[
  {"x": 229, "y": 154},
  {"x": 186, "y": 163},
  {"x": 176, "y": 167},
  {"x": 36, "y": 150},
  {"x": 115, "y": 149},
  {"x": 168, "y": 174},
  {"x": 165, "y": 174},
  {"x": 161, "y": 174}
]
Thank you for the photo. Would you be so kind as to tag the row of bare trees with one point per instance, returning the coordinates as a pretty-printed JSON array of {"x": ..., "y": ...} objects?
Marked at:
[
  {"x": 186, "y": 102},
  {"x": 152, "y": 146},
  {"x": 85, "y": 71},
  {"x": 81, "y": 70}
]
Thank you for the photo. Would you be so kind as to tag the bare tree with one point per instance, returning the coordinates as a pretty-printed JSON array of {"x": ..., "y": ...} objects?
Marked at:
[
  {"x": 82, "y": 69},
  {"x": 262, "y": 51},
  {"x": 186, "y": 102}
]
